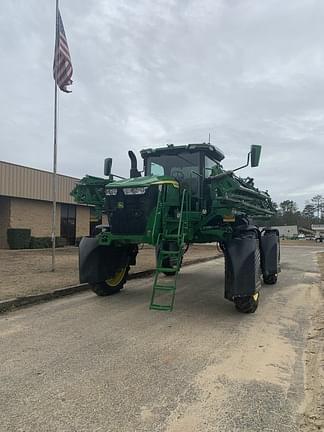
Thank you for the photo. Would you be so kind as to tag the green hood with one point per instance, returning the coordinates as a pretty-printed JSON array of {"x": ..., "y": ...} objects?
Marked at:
[{"x": 143, "y": 182}]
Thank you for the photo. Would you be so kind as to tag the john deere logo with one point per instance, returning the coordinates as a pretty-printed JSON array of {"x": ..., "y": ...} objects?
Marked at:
[
  {"x": 120, "y": 204},
  {"x": 228, "y": 218}
]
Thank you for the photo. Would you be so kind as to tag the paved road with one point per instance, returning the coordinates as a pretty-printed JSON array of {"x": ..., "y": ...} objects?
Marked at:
[{"x": 85, "y": 363}]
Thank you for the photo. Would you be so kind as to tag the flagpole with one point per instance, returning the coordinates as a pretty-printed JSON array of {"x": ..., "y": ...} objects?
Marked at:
[{"x": 54, "y": 179}]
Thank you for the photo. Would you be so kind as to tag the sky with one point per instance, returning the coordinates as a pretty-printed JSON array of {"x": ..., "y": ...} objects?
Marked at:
[{"x": 170, "y": 71}]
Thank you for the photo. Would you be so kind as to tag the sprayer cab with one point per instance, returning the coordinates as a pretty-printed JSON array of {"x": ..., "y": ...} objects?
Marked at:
[
  {"x": 181, "y": 162},
  {"x": 196, "y": 168}
]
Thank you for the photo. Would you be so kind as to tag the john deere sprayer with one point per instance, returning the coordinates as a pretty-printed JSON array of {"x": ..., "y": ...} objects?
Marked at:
[{"x": 184, "y": 196}]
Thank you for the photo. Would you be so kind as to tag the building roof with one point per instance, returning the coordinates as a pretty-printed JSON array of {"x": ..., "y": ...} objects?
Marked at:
[{"x": 23, "y": 182}]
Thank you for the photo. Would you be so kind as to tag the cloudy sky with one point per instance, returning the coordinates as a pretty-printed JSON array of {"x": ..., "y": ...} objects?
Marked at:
[{"x": 170, "y": 71}]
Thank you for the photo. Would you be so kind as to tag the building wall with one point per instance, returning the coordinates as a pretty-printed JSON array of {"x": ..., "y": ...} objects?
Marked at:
[
  {"x": 25, "y": 202},
  {"x": 82, "y": 221},
  {"x": 287, "y": 230},
  {"x": 33, "y": 214},
  {"x": 37, "y": 216},
  {"x": 4, "y": 221},
  {"x": 319, "y": 230},
  {"x": 24, "y": 182}
]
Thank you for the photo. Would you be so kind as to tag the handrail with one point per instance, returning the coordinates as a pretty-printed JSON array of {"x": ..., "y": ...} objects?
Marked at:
[
  {"x": 181, "y": 211},
  {"x": 158, "y": 205}
]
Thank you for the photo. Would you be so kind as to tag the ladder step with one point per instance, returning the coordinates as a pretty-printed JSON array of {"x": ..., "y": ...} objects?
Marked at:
[
  {"x": 174, "y": 227},
  {"x": 173, "y": 253},
  {"x": 161, "y": 307},
  {"x": 165, "y": 287},
  {"x": 172, "y": 236},
  {"x": 166, "y": 270}
]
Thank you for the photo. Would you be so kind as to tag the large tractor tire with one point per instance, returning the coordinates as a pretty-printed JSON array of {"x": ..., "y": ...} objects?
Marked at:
[
  {"x": 250, "y": 303},
  {"x": 243, "y": 270},
  {"x": 270, "y": 255},
  {"x": 105, "y": 268},
  {"x": 111, "y": 285},
  {"x": 247, "y": 304},
  {"x": 271, "y": 279}
]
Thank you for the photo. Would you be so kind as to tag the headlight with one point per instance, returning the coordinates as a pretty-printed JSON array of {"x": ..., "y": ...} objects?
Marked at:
[
  {"x": 135, "y": 191},
  {"x": 111, "y": 191}
]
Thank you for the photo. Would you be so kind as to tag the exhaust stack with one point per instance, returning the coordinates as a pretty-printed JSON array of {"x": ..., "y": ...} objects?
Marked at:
[{"x": 133, "y": 171}]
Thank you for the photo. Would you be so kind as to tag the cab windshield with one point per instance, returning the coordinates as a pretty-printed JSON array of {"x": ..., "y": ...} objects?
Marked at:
[
  {"x": 183, "y": 167},
  {"x": 175, "y": 165}
]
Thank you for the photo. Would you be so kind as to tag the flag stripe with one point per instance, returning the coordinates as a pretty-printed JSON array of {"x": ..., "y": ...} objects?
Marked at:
[{"x": 62, "y": 65}]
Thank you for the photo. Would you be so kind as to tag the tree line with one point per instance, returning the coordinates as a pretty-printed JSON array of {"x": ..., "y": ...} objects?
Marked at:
[{"x": 287, "y": 213}]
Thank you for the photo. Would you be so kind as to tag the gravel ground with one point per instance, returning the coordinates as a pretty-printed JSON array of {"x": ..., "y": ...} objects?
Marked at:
[
  {"x": 306, "y": 243},
  {"x": 321, "y": 264},
  {"x": 313, "y": 415},
  {"x": 88, "y": 364},
  {"x": 26, "y": 272}
]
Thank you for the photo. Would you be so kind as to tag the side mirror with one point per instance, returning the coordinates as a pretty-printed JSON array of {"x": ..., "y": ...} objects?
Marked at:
[
  {"x": 255, "y": 155},
  {"x": 107, "y": 166}
]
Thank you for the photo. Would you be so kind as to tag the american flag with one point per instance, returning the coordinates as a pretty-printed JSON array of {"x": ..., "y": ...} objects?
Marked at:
[{"x": 62, "y": 66}]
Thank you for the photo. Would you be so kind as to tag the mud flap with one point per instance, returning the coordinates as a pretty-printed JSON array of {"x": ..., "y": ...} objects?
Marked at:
[
  {"x": 270, "y": 252},
  {"x": 242, "y": 265},
  {"x": 97, "y": 263}
]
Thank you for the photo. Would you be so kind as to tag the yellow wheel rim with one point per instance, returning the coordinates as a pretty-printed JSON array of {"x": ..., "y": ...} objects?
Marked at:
[
  {"x": 117, "y": 278},
  {"x": 255, "y": 296}
]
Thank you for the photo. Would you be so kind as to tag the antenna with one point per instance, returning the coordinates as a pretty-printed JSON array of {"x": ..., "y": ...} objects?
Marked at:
[{"x": 209, "y": 138}]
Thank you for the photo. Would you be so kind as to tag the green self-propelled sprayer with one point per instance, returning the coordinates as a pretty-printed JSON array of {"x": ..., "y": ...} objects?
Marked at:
[{"x": 185, "y": 196}]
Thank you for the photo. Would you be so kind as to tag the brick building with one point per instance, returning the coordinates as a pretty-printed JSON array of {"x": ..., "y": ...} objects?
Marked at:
[{"x": 25, "y": 202}]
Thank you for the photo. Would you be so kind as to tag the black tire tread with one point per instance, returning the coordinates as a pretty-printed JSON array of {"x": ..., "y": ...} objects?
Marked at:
[
  {"x": 270, "y": 279},
  {"x": 246, "y": 304},
  {"x": 102, "y": 289}
]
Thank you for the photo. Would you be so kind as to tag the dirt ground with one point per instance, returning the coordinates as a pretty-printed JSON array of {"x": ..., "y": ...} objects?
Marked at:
[
  {"x": 314, "y": 365},
  {"x": 301, "y": 243},
  {"x": 84, "y": 363},
  {"x": 320, "y": 260},
  {"x": 26, "y": 272}
]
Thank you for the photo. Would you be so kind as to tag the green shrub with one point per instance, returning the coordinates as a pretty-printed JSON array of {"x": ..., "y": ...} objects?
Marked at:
[
  {"x": 40, "y": 242},
  {"x": 60, "y": 242},
  {"x": 18, "y": 238},
  {"x": 46, "y": 242}
]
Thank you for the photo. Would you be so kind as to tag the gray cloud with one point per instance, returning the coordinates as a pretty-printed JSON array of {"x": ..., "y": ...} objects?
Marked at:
[{"x": 148, "y": 73}]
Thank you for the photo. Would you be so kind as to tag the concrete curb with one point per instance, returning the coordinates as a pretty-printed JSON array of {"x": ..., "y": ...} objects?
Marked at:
[{"x": 10, "y": 304}]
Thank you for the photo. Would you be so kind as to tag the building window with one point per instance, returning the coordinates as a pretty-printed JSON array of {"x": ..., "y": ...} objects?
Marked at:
[{"x": 68, "y": 222}]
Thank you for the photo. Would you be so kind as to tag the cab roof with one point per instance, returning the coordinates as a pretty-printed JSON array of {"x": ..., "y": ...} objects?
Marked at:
[{"x": 210, "y": 150}]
